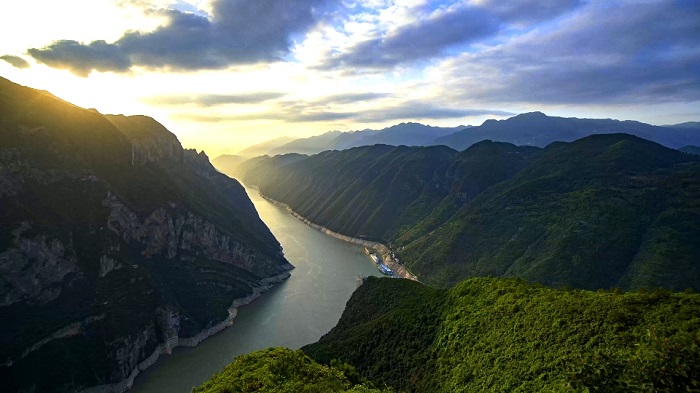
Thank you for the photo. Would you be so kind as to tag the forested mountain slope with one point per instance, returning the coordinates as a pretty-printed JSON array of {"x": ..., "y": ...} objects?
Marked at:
[
  {"x": 115, "y": 245},
  {"x": 604, "y": 211},
  {"x": 488, "y": 334},
  {"x": 380, "y": 191},
  {"x": 610, "y": 210}
]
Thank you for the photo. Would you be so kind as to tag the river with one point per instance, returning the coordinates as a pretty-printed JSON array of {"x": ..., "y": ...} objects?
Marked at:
[{"x": 292, "y": 314}]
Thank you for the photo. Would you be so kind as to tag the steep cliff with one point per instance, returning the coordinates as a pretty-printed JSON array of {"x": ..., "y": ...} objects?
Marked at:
[{"x": 116, "y": 245}]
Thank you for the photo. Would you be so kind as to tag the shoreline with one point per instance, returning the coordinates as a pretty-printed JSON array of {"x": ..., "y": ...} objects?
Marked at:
[
  {"x": 166, "y": 347},
  {"x": 400, "y": 270}
]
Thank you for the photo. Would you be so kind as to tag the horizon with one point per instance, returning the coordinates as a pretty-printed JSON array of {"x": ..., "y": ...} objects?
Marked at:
[{"x": 223, "y": 75}]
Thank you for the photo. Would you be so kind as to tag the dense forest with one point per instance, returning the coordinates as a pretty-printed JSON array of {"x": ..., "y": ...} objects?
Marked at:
[
  {"x": 604, "y": 211},
  {"x": 490, "y": 334}
]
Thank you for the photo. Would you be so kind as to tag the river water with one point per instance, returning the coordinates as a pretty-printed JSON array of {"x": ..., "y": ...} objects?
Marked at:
[{"x": 292, "y": 314}]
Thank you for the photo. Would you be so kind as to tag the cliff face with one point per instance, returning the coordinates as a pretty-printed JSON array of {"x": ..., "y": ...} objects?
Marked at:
[{"x": 116, "y": 245}]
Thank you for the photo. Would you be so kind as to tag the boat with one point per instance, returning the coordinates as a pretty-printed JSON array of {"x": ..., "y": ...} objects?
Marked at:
[{"x": 385, "y": 270}]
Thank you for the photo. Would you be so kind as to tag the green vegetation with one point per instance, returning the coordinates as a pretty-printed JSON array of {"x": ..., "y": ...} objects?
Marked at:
[
  {"x": 378, "y": 192},
  {"x": 282, "y": 370},
  {"x": 489, "y": 334},
  {"x": 604, "y": 211},
  {"x": 194, "y": 243}
]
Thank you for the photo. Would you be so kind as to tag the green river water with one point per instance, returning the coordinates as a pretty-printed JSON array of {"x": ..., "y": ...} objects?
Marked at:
[{"x": 292, "y": 314}]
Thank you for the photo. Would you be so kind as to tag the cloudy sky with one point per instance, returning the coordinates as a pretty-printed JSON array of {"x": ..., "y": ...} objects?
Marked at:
[{"x": 223, "y": 74}]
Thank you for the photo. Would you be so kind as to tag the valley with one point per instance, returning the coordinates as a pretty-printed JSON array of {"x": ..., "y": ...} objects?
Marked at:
[
  {"x": 292, "y": 314},
  {"x": 130, "y": 263}
]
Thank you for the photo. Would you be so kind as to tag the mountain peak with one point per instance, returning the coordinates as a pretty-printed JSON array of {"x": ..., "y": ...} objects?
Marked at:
[{"x": 533, "y": 115}]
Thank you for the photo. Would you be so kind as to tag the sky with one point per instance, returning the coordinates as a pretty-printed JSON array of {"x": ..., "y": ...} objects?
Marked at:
[{"x": 225, "y": 74}]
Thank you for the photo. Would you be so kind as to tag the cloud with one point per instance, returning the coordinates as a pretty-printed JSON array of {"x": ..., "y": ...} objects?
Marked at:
[
  {"x": 308, "y": 113},
  {"x": 15, "y": 61},
  {"x": 208, "y": 100},
  {"x": 349, "y": 98},
  {"x": 528, "y": 11},
  {"x": 238, "y": 32},
  {"x": 433, "y": 32},
  {"x": 82, "y": 59},
  {"x": 418, "y": 40},
  {"x": 641, "y": 52},
  {"x": 420, "y": 110}
]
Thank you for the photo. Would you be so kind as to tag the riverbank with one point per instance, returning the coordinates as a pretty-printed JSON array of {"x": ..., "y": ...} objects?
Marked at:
[
  {"x": 381, "y": 249},
  {"x": 175, "y": 341}
]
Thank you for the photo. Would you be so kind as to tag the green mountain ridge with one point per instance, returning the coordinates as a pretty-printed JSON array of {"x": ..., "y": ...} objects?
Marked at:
[
  {"x": 116, "y": 245},
  {"x": 604, "y": 211},
  {"x": 375, "y": 191},
  {"x": 609, "y": 210},
  {"x": 488, "y": 334}
]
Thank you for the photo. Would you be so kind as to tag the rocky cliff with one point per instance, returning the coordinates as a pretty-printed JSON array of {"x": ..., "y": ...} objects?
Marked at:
[{"x": 116, "y": 245}]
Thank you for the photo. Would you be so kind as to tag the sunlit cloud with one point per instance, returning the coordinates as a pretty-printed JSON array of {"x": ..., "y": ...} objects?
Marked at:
[
  {"x": 238, "y": 32},
  {"x": 15, "y": 61},
  {"x": 223, "y": 74},
  {"x": 208, "y": 100}
]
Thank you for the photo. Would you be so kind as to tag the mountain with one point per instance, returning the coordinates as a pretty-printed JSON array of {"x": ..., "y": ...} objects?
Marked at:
[
  {"x": 691, "y": 149},
  {"x": 362, "y": 191},
  {"x": 601, "y": 212},
  {"x": 263, "y": 148},
  {"x": 538, "y": 129},
  {"x": 610, "y": 210},
  {"x": 227, "y": 162},
  {"x": 310, "y": 145},
  {"x": 502, "y": 335},
  {"x": 284, "y": 370},
  {"x": 116, "y": 245},
  {"x": 377, "y": 192},
  {"x": 688, "y": 124},
  {"x": 408, "y": 134}
]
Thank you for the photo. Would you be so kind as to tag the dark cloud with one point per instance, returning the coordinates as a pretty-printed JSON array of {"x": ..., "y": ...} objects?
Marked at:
[
  {"x": 621, "y": 53},
  {"x": 419, "y": 40},
  {"x": 81, "y": 59},
  {"x": 208, "y": 100},
  {"x": 431, "y": 37},
  {"x": 529, "y": 11},
  {"x": 15, "y": 61},
  {"x": 238, "y": 32}
]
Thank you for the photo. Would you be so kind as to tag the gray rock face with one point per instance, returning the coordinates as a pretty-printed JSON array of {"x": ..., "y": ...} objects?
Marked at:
[
  {"x": 116, "y": 245},
  {"x": 33, "y": 269},
  {"x": 177, "y": 233}
]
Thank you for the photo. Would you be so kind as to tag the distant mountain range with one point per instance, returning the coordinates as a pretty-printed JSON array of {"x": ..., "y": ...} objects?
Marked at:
[
  {"x": 604, "y": 211},
  {"x": 409, "y": 134},
  {"x": 538, "y": 129},
  {"x": 530, "y": 129},
  {"x": 266, "y": 147},
  {"x": 691, "y": 149},
  {"x": 116, "y": 245}
]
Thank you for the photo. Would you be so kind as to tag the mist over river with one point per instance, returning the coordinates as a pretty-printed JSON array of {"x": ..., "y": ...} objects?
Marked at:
[{"x": 292, "y": 314}]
